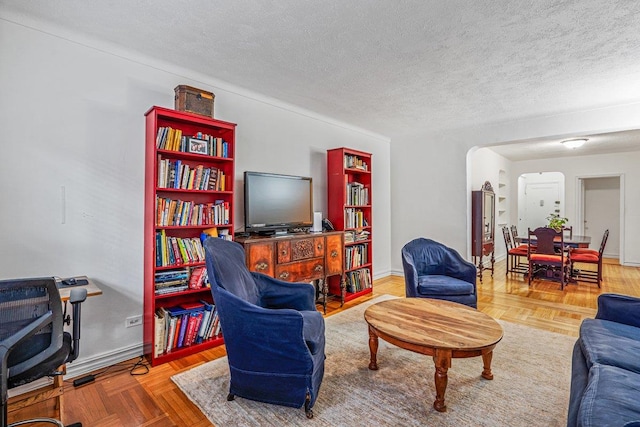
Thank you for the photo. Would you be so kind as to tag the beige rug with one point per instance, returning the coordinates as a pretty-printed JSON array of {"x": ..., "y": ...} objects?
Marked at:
[{"x": 530, "y": 387}]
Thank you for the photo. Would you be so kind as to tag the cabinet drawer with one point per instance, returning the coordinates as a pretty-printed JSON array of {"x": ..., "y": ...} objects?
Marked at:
[
  {"x": 487, "y": 248},
  {"x": 300, "y": 249},
  {"x": 301, "y": 271},
  {"x": 334, "y": 254},
  {"x": 260, "y": 258},
  {"x": 284, "y": 251}
]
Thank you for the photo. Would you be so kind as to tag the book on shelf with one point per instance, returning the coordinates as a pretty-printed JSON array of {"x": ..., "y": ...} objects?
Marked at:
[
  {"x": 190, "y": 250},
  {"x": 160, "y": 331},
  {"x": 206, "y": 316},
  {"x": 170, "y": 212},
  {"x": 356, "y": 255},
  {"x": 198, "y": 276},
  {"x": 358, "y": 280},
  {"x": 355, "y": 162},
  {"x": 184, "y": 325},
  {"x": 170, "y": 139}
]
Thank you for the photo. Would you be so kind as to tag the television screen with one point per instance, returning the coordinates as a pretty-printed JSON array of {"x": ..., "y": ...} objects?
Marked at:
[{"x": 274, "y": 202}]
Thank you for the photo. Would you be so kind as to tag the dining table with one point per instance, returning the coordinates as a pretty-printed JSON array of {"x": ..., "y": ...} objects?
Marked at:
[{"x": 576, "y": 241}]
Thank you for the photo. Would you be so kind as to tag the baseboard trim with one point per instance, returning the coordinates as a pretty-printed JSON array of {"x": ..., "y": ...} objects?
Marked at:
[{"x": 101, "y": 361}]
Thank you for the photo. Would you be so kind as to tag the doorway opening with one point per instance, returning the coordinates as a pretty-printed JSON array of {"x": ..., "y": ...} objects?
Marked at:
[
  {"x": 539, "y": 196},
  {"x": 599, "y": 207}
]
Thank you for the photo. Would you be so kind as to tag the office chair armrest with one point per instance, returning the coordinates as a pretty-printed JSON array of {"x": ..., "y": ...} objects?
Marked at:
[{"x": 77, "y": 297}]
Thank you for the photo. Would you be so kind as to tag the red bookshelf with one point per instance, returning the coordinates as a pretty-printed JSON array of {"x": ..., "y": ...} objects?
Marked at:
[
  {"x": 349, "y": 206},
  {"x": 189, "y": 188}
]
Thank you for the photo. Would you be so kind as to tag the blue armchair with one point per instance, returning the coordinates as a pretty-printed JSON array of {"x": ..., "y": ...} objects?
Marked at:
[
  {"x": 433, "y": 270},
  {"x": 272, "y": 331}
]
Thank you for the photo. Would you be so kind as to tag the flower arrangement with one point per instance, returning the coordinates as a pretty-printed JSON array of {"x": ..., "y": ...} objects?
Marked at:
[{"x": 556, "y": 221}]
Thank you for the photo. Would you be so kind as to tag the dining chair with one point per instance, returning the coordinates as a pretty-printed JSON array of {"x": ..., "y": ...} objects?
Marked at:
[
  {"x": 514, "y": 254},
  {"x": 546, "y": 262},
  {"x": 568, "y": 230},
  {"x": 589, "y": 256}
]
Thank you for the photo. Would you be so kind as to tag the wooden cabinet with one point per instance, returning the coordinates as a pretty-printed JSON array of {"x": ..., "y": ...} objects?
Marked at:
[
  {"x": 483, "y": 227},
  {"x": 350, "y": 210},
  {"x": 297, "y": 258},
  {"x": 189, "y": 189}
]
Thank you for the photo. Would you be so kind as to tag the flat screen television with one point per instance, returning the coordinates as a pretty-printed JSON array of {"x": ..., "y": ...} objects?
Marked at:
[{"x": 275, "y": 203}]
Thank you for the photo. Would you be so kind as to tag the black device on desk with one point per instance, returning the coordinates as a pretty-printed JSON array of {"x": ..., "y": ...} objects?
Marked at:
[{"x": 72, "y": 281}]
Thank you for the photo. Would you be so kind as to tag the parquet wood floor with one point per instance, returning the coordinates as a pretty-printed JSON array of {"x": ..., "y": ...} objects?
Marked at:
[{"x": 118, "y": 399}]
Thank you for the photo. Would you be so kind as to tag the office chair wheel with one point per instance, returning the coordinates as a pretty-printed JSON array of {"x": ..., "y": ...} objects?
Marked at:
[{"x": 230, "y": 397}]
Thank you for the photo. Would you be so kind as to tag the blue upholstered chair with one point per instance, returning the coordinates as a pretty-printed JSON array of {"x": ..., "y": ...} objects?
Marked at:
[
  {"x": 433, "y": 270},
  {"x": 272, "y": 331}
]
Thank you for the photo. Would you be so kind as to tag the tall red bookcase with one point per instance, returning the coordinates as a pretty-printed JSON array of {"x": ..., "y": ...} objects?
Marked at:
[
  {"x": 349, "y": 205},
  {"x": 189, "y": 188}
]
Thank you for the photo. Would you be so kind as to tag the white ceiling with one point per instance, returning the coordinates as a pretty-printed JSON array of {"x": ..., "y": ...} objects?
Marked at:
[{"x": 387, "y": 65}]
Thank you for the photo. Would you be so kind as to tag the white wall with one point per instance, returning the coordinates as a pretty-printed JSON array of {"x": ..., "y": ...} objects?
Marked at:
[
  {"x": 485, "y": 165},
  {"x": 429, "y": 193},
  {"x": 625, "y": 164},
  {"x": 72, "y": 120}
]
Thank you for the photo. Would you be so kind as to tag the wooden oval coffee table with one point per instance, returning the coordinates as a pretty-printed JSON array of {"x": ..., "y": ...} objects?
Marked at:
[{"x": 437, "y": 328}]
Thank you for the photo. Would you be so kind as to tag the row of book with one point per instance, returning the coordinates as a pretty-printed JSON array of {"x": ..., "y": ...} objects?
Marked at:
[
  {"x": 184, "y": 325},
  {"x": 170, "y": 212},
  {"x": 354, "y": 218},
  {"x": 355, "y": 162},
  {"x": 177, "y": 174},
  {"x": 173, "y": 281},
  {"x": 358, "y": 280},
  {"x": 177, "y": 250},
  {"x": 356, "y": 255},
  {"x": 357, "y": 194},
  {"x": 356, "y": 236},
  {"x": 172, "y": 139}
]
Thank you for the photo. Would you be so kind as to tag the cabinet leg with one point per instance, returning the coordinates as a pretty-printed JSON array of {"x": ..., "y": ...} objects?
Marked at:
[{"x": 325, "y": 291}]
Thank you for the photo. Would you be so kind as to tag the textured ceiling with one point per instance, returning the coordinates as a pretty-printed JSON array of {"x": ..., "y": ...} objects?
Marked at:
[{"x": 386, "y": 66}]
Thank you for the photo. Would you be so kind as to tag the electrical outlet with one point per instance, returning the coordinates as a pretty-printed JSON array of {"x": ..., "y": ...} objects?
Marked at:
[{"x": 133, "y": 321}]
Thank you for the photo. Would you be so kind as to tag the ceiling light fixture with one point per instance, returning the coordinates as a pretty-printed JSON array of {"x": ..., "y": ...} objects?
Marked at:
[{"x": 574, "y": 143}]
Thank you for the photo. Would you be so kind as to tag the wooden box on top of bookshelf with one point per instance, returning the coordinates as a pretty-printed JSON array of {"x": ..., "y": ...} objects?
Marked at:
[
  {"x": 194, "y": 100},
  {"x": 189, "y": 188}
]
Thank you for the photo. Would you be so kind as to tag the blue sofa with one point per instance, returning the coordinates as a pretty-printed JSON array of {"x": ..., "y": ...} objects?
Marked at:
[{"x": 605, "y": 370}]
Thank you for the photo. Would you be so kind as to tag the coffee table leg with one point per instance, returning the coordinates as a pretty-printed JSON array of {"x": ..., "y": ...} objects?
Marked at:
[
  {"x": 373, "y": 348},
  {"x": 442, "y": 360},
  {"x": 486, "y": 360}
]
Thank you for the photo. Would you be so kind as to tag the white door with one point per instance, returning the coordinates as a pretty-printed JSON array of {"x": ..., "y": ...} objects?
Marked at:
[
  {"x": 602, "y": 212},
  {"x": 541, "y": 199}
]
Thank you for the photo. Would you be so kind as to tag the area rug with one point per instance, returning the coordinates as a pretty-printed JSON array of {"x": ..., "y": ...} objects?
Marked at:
[{"x": 531, "y": 384}]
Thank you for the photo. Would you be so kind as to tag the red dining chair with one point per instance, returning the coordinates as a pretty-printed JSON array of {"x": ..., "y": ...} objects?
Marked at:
[
  {"x": 546, "y": 259},
  {"x": 568, "y": 230},
  {"x": 514, "y": 254},
  {"x": 589, "y": 256}
]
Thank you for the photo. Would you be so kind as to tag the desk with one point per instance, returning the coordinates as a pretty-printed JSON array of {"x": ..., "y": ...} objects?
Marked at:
[
  {"x": 303, "y": 257},
  {"x": 92, "y": 289},
  {"x": 574, "y": 242},
  {"x": 46, "y": 388}
]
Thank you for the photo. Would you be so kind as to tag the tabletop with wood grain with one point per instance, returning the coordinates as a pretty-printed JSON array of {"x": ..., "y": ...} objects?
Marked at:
[{"x": 437, "y": 328}]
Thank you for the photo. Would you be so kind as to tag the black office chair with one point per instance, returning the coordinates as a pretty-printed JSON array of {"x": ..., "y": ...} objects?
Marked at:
[{"x": 33, "y": 343}]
